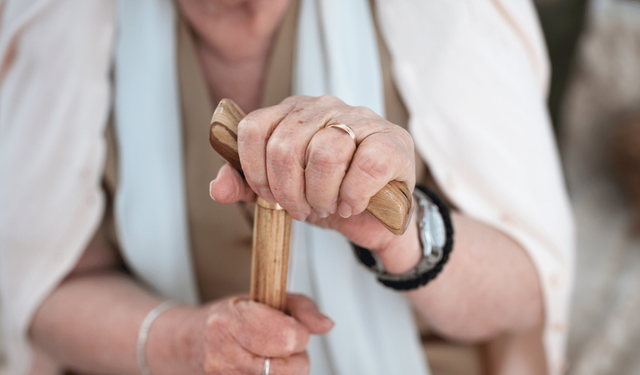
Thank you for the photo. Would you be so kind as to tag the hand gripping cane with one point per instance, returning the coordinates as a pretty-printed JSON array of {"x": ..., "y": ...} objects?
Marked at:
[{"x": 272, "y": 225}]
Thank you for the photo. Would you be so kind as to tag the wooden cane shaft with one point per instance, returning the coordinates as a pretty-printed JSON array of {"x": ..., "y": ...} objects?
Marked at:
[
  {"x": 270, "y": 262},
  {"x": 391, "y": 205}
]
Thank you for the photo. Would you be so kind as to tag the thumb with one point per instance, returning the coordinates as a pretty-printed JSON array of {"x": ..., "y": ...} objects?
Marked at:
[{"x": 230, "y": 187}]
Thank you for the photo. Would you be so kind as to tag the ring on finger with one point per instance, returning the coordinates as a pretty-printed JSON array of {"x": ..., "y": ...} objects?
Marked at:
[
  {"x": 347, "y": 129},
  {"x": 267, "y": 366}
]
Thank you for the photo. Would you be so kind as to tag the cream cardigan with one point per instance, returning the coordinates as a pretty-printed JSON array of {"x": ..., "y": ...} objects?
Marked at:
[{"x": 473, "y": 75}]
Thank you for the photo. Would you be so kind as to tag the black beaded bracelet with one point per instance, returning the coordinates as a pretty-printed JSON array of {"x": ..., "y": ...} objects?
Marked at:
[{"x": 436, "y": 217}]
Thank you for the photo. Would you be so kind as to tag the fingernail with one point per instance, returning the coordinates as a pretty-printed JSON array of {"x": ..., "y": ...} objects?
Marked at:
[
  {"x": 344, "y": 210},
  {"x": 328, "y": 320},
  {"x": 322, "y": 213},
  {"x": 211, "y": 187},
  {"x": 300, "y": 216},
  {"x": 265, "y": 193}
]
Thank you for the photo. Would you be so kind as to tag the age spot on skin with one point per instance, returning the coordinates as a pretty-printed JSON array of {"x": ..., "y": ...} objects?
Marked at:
[{"x": 297, "y": 110}]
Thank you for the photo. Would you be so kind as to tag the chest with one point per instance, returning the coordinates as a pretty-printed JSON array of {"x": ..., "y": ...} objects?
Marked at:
[{"x": 233, "y": 42}]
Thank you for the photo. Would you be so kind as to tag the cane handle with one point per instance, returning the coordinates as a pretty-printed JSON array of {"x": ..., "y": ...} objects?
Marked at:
[{"x": 391, "y": 205}]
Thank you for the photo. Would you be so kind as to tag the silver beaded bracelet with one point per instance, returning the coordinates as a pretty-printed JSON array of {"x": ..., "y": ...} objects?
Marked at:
[{"x": 143, "y": 334}]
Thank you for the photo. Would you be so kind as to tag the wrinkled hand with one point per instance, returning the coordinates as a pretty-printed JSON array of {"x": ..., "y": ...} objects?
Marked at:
[
  {"x": 238, "y": 335},
  {"x": 317, "y": 173}
]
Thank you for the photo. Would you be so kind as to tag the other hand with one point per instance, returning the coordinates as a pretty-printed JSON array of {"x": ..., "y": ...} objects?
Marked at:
[{"x": 235, "y": 335}]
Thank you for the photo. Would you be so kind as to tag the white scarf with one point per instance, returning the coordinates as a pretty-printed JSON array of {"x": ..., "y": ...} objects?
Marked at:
[{"x": 337, "y": 54}]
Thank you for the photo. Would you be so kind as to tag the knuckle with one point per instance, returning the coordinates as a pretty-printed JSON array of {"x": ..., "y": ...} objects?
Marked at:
[
  {"x": 219, "y": 319},
  {"x": 374, "y": 163},
  {"x": 290, "y": 339},
  {"x": 219, "y": 329},
  {"x": 292, "y": 100},
  {"x": 248, "y": 129},
  {"x": 215, "y": 320},
  {"x": 365, "y": 112},
  {"x": 326, "y": 159},
  {"x": 405, "y": 138},
  {"x": 328, "y": 100},
  {"x": 280, "y": 153}
]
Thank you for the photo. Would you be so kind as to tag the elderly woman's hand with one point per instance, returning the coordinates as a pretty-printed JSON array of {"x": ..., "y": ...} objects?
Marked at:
[
  {"x": 239, "y": 334},
  {"x": 318, "y": 174}
]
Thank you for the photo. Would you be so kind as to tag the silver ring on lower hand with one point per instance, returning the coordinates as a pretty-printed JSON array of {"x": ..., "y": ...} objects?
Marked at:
[{"x": 266, "y": 367}]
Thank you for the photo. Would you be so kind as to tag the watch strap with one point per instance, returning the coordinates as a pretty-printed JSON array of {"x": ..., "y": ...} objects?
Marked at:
[{"x": 425, "y": 270}]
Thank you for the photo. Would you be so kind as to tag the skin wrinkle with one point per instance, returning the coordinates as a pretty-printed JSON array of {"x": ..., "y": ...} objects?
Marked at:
[
  {"x": 325, "y": 152},
  {"x": 323, "y": 168},
  {"x": 280, "y": 150},
  {"x": 281, "y": 155},
  {"x": 259, "y": 339},
  {"x": 374, "y": 165},
  {"x": 284, "y": 331},
  {"x": 250, "y": 130}
]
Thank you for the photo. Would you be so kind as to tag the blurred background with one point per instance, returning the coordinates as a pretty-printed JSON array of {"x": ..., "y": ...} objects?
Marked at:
[
  {"x": 594, "y": 101},
  {"x": 595, "y": 105}
]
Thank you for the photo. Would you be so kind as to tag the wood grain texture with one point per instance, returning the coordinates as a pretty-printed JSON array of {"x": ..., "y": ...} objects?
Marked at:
[
  {"x": 270, "y": 262},
  {"x": 391, "y": 205},
  {"x": 223, "y": 134}
]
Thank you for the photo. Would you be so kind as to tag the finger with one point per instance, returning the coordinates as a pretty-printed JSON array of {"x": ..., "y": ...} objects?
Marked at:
[
  {"x": 286, "y": 151},
  {"x": 306, "y": 311},
  {"x": 244, "y": 362},
  {"x": 230, "y": 187},
  {"x": 266, "y": 332},
  {"x": 379, "y": 158},
  {"x": 254, "y": 131},
  {"x": 328, "y": 156},
  {"x": 297, "y": 364}
]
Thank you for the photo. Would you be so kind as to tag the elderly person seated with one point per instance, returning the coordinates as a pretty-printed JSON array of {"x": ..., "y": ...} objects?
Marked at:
[{"x": 97, "y": 230}]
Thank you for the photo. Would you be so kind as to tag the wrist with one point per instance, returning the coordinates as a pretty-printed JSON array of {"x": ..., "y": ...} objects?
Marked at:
[
  {"x": 174, "y": 341},
  {"x": 435, "y": 234},
  {"x": 403, "y": 252}
]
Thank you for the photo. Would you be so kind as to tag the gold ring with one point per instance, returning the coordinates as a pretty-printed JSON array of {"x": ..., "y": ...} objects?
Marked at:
[{"x": 347, "y": 129}]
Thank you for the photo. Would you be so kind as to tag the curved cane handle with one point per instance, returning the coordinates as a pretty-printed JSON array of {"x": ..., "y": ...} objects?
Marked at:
[{"x": 391, "y": 205}]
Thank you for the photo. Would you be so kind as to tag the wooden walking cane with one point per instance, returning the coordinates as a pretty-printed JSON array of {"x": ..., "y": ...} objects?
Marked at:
[{"x": 272, "y": 225}]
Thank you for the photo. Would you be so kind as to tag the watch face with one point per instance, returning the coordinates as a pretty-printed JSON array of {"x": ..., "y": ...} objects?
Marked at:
[
  {"x": 432, "y": 230},
  {"x": 436, "y": 227}
]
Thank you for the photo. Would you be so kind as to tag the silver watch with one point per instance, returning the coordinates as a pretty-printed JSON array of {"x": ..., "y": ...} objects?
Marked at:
[
  {"x": 431, "y": 228},
  {"x": 436, "y": 238}
]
